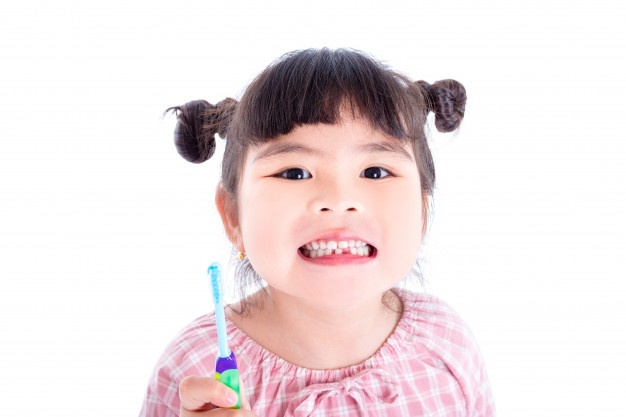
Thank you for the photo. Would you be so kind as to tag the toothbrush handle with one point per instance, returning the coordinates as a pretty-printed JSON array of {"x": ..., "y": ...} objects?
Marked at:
[{"x": 226, "y": 372}]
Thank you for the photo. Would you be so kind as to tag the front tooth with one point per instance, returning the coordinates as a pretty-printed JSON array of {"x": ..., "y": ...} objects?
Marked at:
[
  {"x": 338, "y": 251},
  {"x": 315, "y": 245},
  {"x": 331, "y": 245},
  {"x": 342, "y": 245}
]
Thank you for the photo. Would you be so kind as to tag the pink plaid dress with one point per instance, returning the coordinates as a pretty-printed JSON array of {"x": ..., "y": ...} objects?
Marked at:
[{"x": 430, "y": 366}]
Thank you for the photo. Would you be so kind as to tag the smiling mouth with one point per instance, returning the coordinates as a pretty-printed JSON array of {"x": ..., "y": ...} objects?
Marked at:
[{"x": 321, "y": 248}]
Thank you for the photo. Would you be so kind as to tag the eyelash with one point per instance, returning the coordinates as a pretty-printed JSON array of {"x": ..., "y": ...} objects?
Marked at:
[
  {"x": 283, "y": 174},
  {"x": 304, "y": 174},
  {"x": 387, "y": 172}
]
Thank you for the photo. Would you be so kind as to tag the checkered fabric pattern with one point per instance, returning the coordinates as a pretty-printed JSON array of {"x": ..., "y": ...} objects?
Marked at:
[{"x": 429, "y": 366}]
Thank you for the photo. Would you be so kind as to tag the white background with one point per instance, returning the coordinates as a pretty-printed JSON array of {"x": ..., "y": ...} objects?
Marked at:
[{"x": 105, "y": 232}]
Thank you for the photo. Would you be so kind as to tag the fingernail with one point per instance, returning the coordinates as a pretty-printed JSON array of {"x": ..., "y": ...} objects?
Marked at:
[{"x": 231, "y": 397}]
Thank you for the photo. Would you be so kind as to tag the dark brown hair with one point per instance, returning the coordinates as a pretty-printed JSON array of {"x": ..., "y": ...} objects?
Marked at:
[{"x": 317, "y": 86}]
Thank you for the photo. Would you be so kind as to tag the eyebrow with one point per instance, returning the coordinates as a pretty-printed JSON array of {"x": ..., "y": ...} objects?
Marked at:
[
  {"x": 388, "y": 147},
  {"x": 282, "y": 148}
]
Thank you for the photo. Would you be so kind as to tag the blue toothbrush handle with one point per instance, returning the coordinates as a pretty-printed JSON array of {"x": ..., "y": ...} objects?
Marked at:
[{"x": 227, "y": 373}]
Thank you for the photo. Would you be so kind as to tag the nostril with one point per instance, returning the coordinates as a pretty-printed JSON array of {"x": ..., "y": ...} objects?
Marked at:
[
  {"x": 338, "y": 209},
  {"x": 348, "y": 209}
]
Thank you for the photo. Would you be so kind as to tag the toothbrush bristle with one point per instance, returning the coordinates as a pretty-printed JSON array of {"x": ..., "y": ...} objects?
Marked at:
[{"x": 216, "y": 282}]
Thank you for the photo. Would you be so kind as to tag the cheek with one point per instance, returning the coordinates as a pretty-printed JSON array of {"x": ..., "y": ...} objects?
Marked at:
[
  {"x": 404, "y": 229},
  {"x": 408, "y": 225},
  {"x": 265, "y": 214},
  {"x": 254, "y": 216}
]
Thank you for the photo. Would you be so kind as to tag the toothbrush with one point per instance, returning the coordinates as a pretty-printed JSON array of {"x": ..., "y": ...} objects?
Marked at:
[{"x": 225, "y": 364}]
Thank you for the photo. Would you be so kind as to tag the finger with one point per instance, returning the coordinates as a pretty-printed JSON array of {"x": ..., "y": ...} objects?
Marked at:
[
  {"x": 197, "y": 392},
  {"x": 218, "y": 412},
  {"x": 245, "y": 404}
]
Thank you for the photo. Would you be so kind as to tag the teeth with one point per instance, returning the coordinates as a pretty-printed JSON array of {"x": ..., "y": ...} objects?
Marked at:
[{"x": 324, "y": 248}]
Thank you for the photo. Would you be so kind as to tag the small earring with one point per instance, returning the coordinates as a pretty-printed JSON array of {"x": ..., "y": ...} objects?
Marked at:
[{"x": 241, "y": 256}]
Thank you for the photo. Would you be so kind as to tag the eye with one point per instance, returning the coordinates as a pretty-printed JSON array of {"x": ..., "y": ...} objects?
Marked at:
[
  {"x": 294, "y": 174},
  {"x": 374, "y": 173}
]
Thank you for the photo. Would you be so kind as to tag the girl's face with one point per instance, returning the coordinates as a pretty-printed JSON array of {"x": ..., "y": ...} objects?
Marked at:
[{"x": 330, "y": 214}]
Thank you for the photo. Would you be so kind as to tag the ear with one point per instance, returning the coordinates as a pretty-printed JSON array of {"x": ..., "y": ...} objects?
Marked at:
[{"x": 228, "y": 212}]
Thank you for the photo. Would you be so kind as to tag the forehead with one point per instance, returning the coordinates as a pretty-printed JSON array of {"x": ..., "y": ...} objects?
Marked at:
[{"x": 349, "y": 137}]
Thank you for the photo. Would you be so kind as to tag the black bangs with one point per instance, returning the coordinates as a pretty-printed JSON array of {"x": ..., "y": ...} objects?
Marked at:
[{"x": 320, "y": 86}]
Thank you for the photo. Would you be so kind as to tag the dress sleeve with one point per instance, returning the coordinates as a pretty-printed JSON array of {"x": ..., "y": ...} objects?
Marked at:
[
  {"x": 192, "y": 352},
  {"x": 466, "y": 362},
  {"x": 161, "y": 399},
  {"x": 451, "y": 343},
  {"x": 481, "y": 395}
]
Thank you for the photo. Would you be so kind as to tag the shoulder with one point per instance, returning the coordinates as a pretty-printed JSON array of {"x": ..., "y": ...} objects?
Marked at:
[
  {"x": 440, "y": 333},
  {"x": 190, "y": 350},
  {"x": 428, "y": 315},
  {"x": 436, "y": 326}
]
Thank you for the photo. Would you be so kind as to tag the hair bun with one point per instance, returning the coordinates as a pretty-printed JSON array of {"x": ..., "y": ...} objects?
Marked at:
[
  {"x": 198, "y": 122},
  {"x": 446, "y": 98}
]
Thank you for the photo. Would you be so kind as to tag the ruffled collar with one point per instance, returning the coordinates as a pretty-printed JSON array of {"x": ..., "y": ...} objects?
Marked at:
[
  {"x": 367, "y": 382},
  {"x": 416, "y": 307}
]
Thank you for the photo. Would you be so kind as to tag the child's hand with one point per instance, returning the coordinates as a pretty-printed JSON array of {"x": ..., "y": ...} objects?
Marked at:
[{"x": 201, "y": 396}]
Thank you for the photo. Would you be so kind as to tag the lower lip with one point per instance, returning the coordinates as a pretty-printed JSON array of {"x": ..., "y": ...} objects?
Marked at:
[{"x": 344, "y": 259}]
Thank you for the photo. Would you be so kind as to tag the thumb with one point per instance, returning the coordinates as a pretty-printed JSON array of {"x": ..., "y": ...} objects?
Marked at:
[{"x": 245, "y": 404}]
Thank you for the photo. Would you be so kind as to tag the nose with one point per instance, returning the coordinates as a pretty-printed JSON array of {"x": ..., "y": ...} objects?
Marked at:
[{"x": 337, "y": 197}]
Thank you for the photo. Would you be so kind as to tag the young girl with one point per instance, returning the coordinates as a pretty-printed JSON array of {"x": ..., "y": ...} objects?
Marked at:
[{"x": 325, "y": 190}]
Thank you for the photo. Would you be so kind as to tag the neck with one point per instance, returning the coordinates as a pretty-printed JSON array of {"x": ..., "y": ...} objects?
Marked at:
[{"x": 317, "y": 337}]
